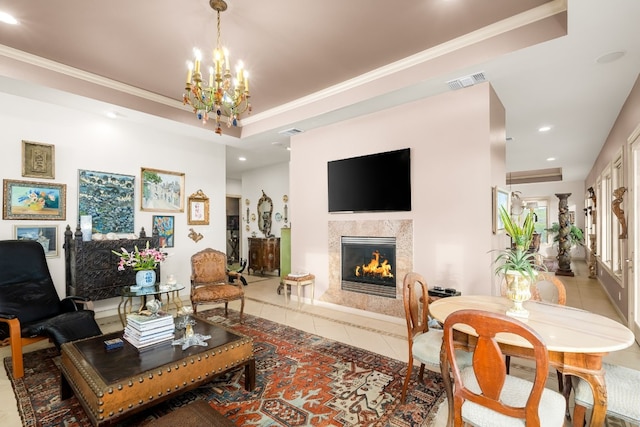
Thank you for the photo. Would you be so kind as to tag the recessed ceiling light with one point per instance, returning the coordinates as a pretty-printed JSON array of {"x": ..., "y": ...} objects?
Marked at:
[
  {"x": 610, "y": 57},
  {"x": 242, "y": 159},
  {"x": 544, "y": 129},
  {"x": 550, "y": 159},
  {"x": 8, "y": 19}
]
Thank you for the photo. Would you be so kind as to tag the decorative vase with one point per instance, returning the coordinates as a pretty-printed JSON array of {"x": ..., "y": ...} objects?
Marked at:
[
  {"x": 518, "y": 291},
  {"x": 146, "y": 278}
]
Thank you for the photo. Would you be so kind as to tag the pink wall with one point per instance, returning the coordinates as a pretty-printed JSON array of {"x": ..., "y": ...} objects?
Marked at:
[
  {"x": 457, "y": 148},
  {"x": 625, "y": 124}
]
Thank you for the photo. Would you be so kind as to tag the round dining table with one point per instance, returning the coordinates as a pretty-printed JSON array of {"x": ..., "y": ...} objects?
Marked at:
[{"x": 576, "y": 339}]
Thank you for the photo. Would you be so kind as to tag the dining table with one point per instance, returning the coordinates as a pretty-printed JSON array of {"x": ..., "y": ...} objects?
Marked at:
[{"x": 576, "y": 340}]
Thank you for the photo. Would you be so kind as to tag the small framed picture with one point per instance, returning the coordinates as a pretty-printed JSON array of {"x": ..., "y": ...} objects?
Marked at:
[
  {"x": 38, "y": 160},
  {"x": 165, "y": 224},
  {"x": 162, "y": 191},
  {"x": 500, "y": 198},
  {"x": 198, "y": 209},
  {"x": 34, "y": 200},
  {"x": 46, "y": 235}
]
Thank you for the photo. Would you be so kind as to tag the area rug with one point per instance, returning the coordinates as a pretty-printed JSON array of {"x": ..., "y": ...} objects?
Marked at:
[{"x": 302, "y": 380}]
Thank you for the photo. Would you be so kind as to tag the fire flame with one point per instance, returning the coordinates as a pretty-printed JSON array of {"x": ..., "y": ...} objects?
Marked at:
[{"x": 375, "y": 268}]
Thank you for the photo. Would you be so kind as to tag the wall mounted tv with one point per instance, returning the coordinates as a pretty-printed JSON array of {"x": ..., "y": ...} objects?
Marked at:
[{"x": 375, "y": 182}]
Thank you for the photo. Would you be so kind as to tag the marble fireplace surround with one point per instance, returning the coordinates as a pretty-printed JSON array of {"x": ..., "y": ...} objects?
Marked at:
[{"x": 402, "y": 230}]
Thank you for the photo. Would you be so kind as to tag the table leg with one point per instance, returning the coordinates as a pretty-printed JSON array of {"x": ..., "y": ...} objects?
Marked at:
[
  {"x": 176, "y": 301},
  {"x": 120, "y": 313},
  {"x": 250, "y": 375},
  {"x": 599, "y": 389},
  {"x": 65, "y": 389}
]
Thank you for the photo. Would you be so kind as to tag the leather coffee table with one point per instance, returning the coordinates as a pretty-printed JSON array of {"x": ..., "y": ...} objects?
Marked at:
[{"x": 115, "y": 384}]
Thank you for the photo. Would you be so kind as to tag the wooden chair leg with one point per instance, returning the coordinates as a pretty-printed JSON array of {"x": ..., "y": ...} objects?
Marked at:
[
  {"x": 507, "y": 363},
  {"x": 566, "y": 392},
  {"x": 579, "y": 413},
  {"x": 406, "y": 380},
  {"x": 15, "y": 340},
  {"x": 560, "y": 382},
  {"x": 241, "y": 308},
  {"x": 226, "y": 309}
]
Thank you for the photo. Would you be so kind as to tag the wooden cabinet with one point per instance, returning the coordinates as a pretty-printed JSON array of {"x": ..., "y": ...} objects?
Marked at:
[
  {"x": 264, "y": 254},
  {"x": 91, "y": 268}
]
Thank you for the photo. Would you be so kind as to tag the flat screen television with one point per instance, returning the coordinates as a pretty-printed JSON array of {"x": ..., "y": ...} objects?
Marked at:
[{"x": 371, "y": 183}]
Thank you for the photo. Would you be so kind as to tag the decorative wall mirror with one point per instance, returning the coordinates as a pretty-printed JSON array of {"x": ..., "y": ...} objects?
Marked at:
[{"x": 265, "y": 210}]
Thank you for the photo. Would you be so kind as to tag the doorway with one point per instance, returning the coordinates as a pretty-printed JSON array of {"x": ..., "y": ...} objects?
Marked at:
[{"x": 233, "y": 231}]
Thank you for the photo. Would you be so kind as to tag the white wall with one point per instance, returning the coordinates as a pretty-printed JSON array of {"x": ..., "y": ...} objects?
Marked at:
[
  {"x": 455, "y": 161},
  {"x": 95, "y": 142},
  {"x": 274, "y": 181}
]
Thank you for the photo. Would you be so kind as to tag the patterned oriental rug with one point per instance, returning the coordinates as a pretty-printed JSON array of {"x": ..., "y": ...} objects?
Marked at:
[{"x": 302, "y": 380}]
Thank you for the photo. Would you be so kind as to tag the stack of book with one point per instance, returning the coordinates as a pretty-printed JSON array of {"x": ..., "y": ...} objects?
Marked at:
[{"x": 145, "y": 331}]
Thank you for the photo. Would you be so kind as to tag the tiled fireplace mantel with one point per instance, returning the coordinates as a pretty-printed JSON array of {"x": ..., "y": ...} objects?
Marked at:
[{"x": 402, "y": 230}]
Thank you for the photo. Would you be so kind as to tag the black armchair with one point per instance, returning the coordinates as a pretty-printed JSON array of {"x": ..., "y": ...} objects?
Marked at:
[{"x": 30, "y": 309}]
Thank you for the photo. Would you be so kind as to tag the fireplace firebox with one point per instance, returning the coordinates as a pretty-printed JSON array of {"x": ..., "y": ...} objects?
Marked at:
[{"x": 368, "y": 265}]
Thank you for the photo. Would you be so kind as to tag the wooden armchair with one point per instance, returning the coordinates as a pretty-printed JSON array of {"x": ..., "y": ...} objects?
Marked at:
[
  {"x": 30, "y": 309},
  {"x": 210, "y": 281},
  {"x": 484, "y": 395}
]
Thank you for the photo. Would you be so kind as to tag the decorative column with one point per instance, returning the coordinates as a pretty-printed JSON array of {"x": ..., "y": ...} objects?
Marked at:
[{"x": 564, "y": 244}]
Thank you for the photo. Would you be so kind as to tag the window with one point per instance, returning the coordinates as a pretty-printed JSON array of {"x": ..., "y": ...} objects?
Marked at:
[{"x": 540, "y": 208}]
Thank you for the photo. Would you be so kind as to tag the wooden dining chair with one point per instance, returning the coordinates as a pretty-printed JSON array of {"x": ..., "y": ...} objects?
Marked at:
[
  {"x": 483, "y": 394},
  {"x": 623, "y": 401},
  {"x": 424, "y": 342}
]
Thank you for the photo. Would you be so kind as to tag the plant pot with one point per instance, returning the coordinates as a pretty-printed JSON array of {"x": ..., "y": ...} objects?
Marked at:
[
  {"x": 518, "y": 291},
  {"x": 146, "y": 278}
]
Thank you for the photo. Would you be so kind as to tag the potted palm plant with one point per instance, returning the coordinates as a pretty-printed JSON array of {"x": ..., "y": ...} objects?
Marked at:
[{"x": 516, "y": 264}]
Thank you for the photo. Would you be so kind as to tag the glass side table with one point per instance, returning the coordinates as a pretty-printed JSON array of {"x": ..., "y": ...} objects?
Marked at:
[{"x": 127, "y": 295}]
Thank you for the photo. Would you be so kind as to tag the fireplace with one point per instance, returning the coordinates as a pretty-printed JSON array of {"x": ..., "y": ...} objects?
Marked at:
[{"x": 369, "y": 265}]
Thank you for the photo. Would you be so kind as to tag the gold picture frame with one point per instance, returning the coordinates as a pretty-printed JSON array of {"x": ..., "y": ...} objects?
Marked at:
[
  {"x": 38, "y": 160},
  {"x": 161, "y": 191},
  {"x": 500, "y": 197},
  {"x": 34, "y": 200},
  {"x": 198, "y": 209}
]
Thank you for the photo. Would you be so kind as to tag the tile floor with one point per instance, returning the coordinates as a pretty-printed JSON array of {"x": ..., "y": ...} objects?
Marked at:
[{"x": 384, "y": 337}]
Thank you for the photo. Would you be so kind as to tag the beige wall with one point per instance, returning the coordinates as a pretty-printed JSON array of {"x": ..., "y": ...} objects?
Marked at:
[
  {"x": 457, "y": 154},
  {"x": 626, "y": 123}
]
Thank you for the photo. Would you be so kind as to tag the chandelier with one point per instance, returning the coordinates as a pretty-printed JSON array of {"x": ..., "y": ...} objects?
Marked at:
[{"x": 222, "y": 96}]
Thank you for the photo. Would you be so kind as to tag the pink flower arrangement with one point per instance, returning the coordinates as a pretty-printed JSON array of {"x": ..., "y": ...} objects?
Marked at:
[{"x": 146, "y": 259}]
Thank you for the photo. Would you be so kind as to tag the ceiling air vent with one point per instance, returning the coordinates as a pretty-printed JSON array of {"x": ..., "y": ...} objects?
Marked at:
[
  {"x": 290, "y": 132},
  {"x": 539, "y": 175},
  {"x": 467, "y": 81}
]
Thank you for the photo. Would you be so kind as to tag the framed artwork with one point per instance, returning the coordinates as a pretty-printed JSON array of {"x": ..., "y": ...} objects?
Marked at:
[
  {"x": 198, "y": 211},
  {"x": 162, "y": 191},
  {"x": 46, "y": 235},
  {"x": 34, "y": 200},
  {"x": 38, "y": 160},
  {"x": 109, "y": 199},
  {"x": 500, "y": 198},
  {"x": 165, "y": 224}
]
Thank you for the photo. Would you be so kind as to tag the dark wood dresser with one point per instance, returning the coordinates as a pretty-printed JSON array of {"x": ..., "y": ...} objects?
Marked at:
[
  {"x": 91, "y": 268},
  {"x": 264, "y": 254}
]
